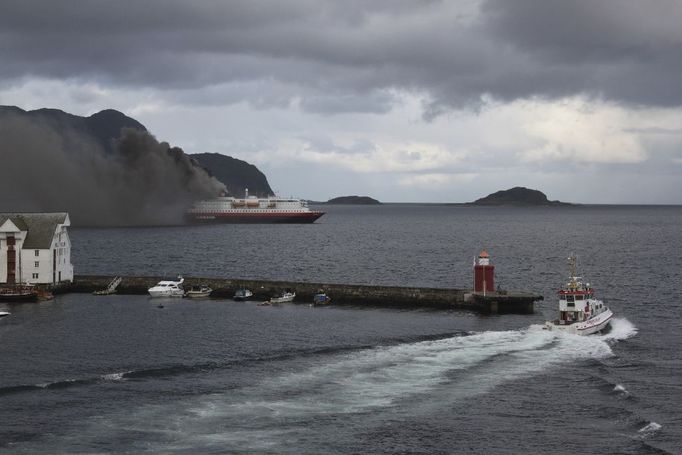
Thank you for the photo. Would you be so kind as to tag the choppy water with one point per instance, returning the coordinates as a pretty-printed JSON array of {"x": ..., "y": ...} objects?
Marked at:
[{"x": 119, "y": 375}]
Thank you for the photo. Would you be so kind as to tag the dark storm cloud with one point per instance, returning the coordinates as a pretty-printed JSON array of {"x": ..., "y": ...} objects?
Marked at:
[
  {"x": 346, "y": 56},
  {"x": 48, "y": 168}
]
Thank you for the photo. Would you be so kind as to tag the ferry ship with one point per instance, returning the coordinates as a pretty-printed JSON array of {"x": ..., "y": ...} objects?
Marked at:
[
  {"x": 580, "y": 312},
  {"x": 251, "y": 209}
]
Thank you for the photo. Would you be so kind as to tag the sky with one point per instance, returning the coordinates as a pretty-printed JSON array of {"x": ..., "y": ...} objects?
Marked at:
[{"x": 400, "y": 100}]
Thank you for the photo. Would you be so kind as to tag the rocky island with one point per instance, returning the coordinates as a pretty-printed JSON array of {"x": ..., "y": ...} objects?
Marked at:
[
  {"x": 518, "y": 196},
  {"x": 355, "y": 200}
]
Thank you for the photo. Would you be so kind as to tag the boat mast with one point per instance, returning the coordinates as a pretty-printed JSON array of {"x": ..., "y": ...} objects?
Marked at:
[{"x": 573, "y": 283}]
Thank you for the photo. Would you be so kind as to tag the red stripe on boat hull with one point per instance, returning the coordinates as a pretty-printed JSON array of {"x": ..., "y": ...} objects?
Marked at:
[{"x": 255, "y": 217}]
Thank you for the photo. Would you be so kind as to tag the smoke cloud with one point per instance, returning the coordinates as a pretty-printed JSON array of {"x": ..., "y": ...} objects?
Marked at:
[{"x": 144, "y": 182}]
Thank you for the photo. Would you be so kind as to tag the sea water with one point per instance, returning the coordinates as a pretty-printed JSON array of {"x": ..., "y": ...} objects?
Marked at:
[{"x": 116, "y": 374}]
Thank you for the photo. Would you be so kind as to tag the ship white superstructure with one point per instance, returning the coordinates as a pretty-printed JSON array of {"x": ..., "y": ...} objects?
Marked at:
[{"x": 251, "y": 209}]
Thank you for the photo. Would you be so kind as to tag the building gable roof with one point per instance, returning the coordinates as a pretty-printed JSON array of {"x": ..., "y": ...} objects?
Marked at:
[
  {"x": 7, "y": 225},
  {"x": 41, "y": 227}
]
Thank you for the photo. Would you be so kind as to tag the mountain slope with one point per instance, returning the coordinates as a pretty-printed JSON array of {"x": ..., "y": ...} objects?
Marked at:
[{"x": 237, "y": 175}]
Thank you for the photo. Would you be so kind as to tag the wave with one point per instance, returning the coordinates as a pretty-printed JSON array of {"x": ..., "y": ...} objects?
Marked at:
[
  {"x": 61, "y": 384},
  {"x": 649, "y": 428},
  {"x": 371, "y": 375}
]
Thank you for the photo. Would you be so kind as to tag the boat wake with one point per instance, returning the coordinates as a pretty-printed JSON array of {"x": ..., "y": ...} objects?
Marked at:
[{"x": 447, "y": 370}]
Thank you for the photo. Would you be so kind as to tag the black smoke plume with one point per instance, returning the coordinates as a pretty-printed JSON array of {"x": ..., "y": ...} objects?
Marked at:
[{"x": 51, "y": 166}]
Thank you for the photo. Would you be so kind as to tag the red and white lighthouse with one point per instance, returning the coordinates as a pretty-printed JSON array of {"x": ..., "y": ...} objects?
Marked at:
[{"x": 484, "y": 273}]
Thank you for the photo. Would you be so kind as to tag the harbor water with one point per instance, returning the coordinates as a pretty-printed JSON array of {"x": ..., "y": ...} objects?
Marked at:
[{"x": 116, "y": 374}]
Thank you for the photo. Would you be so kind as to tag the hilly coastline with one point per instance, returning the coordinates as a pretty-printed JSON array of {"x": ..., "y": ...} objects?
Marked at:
[
  {"x": 353, "y": 200},
  {"x": 108, "y": 170}
]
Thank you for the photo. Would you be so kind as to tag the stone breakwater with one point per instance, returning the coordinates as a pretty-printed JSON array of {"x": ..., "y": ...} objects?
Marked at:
[{"x": 342, "y": 294}]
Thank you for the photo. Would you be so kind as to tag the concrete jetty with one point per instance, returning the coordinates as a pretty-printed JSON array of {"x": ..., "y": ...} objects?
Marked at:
[{"x": 499, "y": 302}]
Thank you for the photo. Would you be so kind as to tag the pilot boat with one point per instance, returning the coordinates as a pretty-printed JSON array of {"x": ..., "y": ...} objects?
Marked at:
[
  {"x": 580, "y": 312},
  {"x": 168, "y": 288}
]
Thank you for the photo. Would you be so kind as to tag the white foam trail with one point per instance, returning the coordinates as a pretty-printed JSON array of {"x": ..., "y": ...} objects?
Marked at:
[
  {"x": 651, "y": 427},
  {"x": 620, "y": 389},
  {"x": 448, "y": 370},
  {"x": 115, "y": 376}
]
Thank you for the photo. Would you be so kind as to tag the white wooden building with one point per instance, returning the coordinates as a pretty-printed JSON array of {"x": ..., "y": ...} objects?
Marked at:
[{"x": 35, "y": 248}]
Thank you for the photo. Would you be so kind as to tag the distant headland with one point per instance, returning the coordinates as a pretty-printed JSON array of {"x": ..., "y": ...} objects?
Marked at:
[
  {"x": 355, "y": 200},
  {"x": 518, "y": 196}
]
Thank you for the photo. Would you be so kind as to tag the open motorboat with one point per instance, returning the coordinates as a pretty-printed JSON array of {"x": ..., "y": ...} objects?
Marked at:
[
  {"x": 580, "y": 312},
  {"x": 198, "y": 292},
  {"x": 242, "y": 294},
  {"x": 168, "y": 288},
  {"x": 4, "y": 313},
  {"x": 286, "y": 296}
]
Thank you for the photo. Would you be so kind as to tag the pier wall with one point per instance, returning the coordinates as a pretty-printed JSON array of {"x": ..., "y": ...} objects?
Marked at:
[{"x": 348, "y": 294}]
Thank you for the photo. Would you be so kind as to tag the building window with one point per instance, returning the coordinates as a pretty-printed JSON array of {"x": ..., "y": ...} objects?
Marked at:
[
  {"x": 37, "y": 252},
  {"x": 35, "y": 276},
  {"x": 37, "y": 263}
]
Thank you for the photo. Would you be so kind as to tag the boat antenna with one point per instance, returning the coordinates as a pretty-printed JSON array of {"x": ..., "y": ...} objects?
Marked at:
[{"x": 572, "y": 266}]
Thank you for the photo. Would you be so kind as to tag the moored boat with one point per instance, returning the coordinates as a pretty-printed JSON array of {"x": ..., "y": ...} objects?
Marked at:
[
  {"x": 111, "y": 288},
  {"x": 580, "y": 312},
  {"x": 286, "y": 296},
  {"x": 198, "y": 292},
  {"x": 242, "y": 294},
  {"x": 168, "y": 288},
  {"x": 18, "y": 293},
  {"x": 321, "y": 299}
]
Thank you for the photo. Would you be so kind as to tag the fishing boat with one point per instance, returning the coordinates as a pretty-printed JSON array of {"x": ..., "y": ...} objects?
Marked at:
[
  {"x": 242, "y": 294},
  {"x": 321, "y": 299},
  {"x": 580, "y": 313},
  {"x": 286, "y": 296},
  {"x": 168, "y": 288},
  {"x": 198, "y": 292}
]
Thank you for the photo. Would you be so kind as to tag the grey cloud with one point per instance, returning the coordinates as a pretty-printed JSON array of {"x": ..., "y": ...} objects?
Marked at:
[{"x": 346, "y": 56}]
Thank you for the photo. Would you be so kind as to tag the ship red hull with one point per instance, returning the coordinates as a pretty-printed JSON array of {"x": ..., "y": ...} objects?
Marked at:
[{"x": 255, "y": 217}]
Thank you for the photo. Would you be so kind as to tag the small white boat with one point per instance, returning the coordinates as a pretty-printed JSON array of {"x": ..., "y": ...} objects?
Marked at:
[
  {"x": 286, "y": 296},
  {"x": 242, "y": 294},
  {"x": 4, "y": 313},
  {"x": 168, "y": 288},
  {"x": 198, "y": 292},
  {"x": 580, "y": 313}
]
